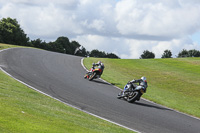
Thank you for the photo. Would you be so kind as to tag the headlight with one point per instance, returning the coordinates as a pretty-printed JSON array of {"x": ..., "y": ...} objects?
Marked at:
[{"x": 128, "y": 86}]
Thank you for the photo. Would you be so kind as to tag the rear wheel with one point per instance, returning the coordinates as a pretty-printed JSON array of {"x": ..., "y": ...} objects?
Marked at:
[
  {"x": 92, "y": 76},
  {"x": 133, "y": 96}
]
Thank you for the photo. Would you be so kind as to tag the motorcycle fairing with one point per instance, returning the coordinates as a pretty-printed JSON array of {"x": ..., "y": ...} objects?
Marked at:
[{"x": 140, "y": 88}]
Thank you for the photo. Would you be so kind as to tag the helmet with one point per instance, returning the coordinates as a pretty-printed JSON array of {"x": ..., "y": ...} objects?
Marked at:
[
  {"x": 143, "y": 78},
  {"x": 99, "y": 62}
]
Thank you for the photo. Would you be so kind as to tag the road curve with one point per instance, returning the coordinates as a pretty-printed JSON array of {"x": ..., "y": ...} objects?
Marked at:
[{"x": 61, "y": 76}]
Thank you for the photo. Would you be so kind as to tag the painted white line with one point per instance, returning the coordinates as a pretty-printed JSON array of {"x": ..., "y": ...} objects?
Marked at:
[
  {"x": 5, "y": 49},
  {"x": 68, "y": 103},
  {"x": 115, "y": 87},
  {"x": 65, "y": 102},
  {"x": 144, "y": 98},
  {"x": 84, "y": 110},
  {"x": 99, "y": 78}
]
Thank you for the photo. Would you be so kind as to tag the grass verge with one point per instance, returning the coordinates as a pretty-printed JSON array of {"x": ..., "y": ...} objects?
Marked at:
[
  {"x": 173, "y": 82},
  {"x": 25, "y": 110},
  {"x": 5, "y": 46}
]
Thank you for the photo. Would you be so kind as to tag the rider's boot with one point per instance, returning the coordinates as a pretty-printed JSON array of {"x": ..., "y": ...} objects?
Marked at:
[{"x": 85, "y": 76}]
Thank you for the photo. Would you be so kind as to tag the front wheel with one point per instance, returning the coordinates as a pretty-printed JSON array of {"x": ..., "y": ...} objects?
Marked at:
[
  {"x": 133, "y": 96},
  {"x": 120, "y": 95},
  {"x": 92, "y": 76}
]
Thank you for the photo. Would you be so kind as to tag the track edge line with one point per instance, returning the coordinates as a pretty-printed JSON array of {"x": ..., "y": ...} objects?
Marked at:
[
  {"x": 142, "y": 97},
  {"x": 63, "y": 101}
]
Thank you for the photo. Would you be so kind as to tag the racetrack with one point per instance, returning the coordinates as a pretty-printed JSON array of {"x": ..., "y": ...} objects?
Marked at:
[{"x": 61, "y": 76}]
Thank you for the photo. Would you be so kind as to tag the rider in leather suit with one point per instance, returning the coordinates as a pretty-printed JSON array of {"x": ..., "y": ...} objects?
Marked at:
[
  {"x": 142, "y": 83},
  {"x": 99, "y": 64}
]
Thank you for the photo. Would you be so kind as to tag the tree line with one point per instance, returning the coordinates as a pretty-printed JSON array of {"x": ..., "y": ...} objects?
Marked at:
[
  {"x": 168, "y": 54},
  {"x": 12, "y": 33}
]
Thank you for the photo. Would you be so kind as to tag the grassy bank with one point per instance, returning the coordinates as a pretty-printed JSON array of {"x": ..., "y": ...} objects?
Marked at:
[
  {"x": 5, "y": 46},
  {"x": 25, "y": 110},
  {"x": 172, "y": 82}
]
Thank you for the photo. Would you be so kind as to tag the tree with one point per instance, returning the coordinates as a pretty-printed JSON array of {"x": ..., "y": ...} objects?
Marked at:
[
  {"x": 190, "y": 53},
  {"x": 147, "y": 54},
  {"x": 84, "y": 53},
  {"x": 183, "y": 53},
  {"x": 38, "y": 43},
  {"x": 63, "y": 44},
  {"x": 11, "y": 33},
  {"x": 97, "y": 53},
  {"x": 167, "y": 54},
  {"x": 194, "y": 53},
  {"x": 1, "y": 38},
  {"x": 81, "y": 51},
  {"x": 76, "y": 48},
  {"x": 111, "y": 55}
]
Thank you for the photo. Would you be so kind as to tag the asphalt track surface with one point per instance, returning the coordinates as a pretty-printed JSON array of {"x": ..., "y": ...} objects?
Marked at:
[{"x": 61, "y": 76}]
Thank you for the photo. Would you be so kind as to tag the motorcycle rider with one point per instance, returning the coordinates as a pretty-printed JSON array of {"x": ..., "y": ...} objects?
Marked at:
[
  {"x": 99, "y": 64},
  {"x": 142, "y": 83}
]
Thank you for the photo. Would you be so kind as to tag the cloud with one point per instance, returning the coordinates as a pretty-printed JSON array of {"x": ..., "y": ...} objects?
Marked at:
[
  {"x": 114, "y": 45},
  {"x": 125, "y": 27},
  {"x": 158, "y": 47},
  {"x": 167, "y": 19}
]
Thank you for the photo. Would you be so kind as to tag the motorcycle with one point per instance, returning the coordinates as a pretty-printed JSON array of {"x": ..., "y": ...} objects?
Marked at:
[
  {"x": 131, "y": 92},
  {"x": 94, "y": 73}
]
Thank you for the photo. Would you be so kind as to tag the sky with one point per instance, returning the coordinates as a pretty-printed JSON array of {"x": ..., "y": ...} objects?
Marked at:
[{"x": 123, "y": 27}]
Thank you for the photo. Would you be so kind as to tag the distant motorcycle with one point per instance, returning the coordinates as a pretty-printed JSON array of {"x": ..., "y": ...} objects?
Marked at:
[
  {"x": 93, "y": 74},
  {"x": 131, "y": 93}
]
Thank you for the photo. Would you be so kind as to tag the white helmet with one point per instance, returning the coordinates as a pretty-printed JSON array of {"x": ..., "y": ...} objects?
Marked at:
[
  {"x": 143, "y": 78},
  {"x": 99, "y": 62}
]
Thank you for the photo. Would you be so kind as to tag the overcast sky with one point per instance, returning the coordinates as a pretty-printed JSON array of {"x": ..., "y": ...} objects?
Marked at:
[{"x": 124, "y": 27}]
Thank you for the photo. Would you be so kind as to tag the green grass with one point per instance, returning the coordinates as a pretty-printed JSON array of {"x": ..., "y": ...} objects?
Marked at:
[
  {"x": 174, "y": 83},
  {"x": 25, "y": 110},
  {"x": 5, "y": 46}
]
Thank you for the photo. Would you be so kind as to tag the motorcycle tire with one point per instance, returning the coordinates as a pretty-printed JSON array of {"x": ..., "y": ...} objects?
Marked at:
[
  {"x": 119, "y": 96},
  {"x": 133, "y": 96},
  {"x": 92, "y": 76}
]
